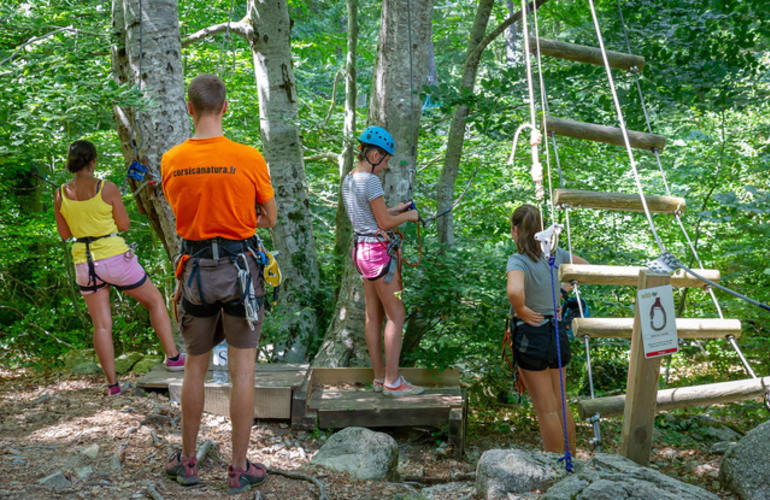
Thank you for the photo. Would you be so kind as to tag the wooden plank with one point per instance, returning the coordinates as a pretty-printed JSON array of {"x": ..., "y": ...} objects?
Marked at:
[
  {"x": 268, "y": 402},
  {"x": 642, "y": 387},
  {"x": 687, "y": 328},
  {"x": 343, "y": 408},
  {"x": 299, "y": 405},
  {"x": 273, "y": 375},
  {"x": 627, "y": 275},
  {"x": 364, "y": 376},
  {"x": 586, "y": 54},
  {"x": 602, "y": 133},
  {"x": 682, "y": 397},
  {"x": 575, "y": 198}
]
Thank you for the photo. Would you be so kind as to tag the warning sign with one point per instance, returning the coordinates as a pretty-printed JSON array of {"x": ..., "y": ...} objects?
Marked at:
[{"x": 658, "y": 321}]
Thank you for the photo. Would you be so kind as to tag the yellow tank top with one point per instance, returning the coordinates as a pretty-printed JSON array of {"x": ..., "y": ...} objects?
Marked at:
[{"x": 92, "y": 217}]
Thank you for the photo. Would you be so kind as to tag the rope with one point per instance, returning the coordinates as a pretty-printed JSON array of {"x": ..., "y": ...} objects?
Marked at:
[
  {"x": 623, "y": 129},
  {"x": 411, "y": 81},
  {"x": 677, "y": 214},
  {"x": 567, "y": 458},
  {"x": 132, "y": 140},
  {"x": 226, "y": 38}
]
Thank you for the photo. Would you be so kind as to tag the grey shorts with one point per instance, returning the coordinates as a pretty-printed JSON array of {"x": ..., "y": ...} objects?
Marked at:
[{"x": 218, "y": 281}]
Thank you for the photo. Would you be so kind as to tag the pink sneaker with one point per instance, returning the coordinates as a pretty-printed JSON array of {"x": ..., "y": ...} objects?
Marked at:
[
  {"x": 183, "y": 469},
  {"x": 377, "y": 384},
  {"x": 176, "y": 366},
  {"x": 117, "y": 388},
  {"x": 402, "y": 388}
]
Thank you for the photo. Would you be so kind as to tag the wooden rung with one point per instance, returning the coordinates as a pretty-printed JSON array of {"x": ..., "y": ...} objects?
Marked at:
[
  {"x": 585, "y": 54},
  {"x": 573, "y": 198},
  {"x": 627, "y": 275},
  {"x": 681, "y": 397},
  {"x": 687, "y": 328},
  {"x": 601, "y": 133}
]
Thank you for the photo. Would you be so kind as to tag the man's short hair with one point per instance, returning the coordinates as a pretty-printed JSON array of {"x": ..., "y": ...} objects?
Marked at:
[{"x": 207, "y": 94}]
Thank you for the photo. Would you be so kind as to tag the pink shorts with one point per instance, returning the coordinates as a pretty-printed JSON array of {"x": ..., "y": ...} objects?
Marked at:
[
  {"x": 123, "y": 271},
  {"x": 371, "y": 259}
]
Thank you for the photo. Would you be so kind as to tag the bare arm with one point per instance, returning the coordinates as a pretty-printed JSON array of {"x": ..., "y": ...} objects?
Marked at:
[
  {"x": 111, "y": 195},
  {"x": 267, "y": 213},
  {"x": 515, "y": 292},
  {"x": 387, "y": 220},
  {"x": 61, "y": 224}
]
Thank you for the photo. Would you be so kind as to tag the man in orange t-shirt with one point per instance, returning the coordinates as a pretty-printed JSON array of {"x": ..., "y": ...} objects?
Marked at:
[{"x": 220, "y": 192}]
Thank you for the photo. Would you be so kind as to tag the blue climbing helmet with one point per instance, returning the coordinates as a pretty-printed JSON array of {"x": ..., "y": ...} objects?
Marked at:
[{"x": 378, "y": 136}]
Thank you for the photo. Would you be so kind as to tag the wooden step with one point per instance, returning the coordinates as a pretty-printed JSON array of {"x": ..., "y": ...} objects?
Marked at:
[
  {"x": 687, "y": 328},
  {"x": 586, "y": 54},
  {"x": 627, "y": 275},
  {"x": 601, "y": 133},
  {"x": 575, "y": 198},
  {"x": 681, "y": 397}
]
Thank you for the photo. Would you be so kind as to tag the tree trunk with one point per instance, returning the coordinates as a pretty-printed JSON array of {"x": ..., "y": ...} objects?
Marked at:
[
  {"x": 511, "y": 34},
  {"x": 395, "y": 105},
  {"x": 164, "y": 125},
  {"x": 344, "y": 229},
  {"x": 293, "y": 233},
  {"x": 454, "y": 150}
]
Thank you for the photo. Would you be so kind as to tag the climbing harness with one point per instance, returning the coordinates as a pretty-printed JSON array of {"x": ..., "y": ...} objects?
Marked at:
[{"x": 248, "y": 305}]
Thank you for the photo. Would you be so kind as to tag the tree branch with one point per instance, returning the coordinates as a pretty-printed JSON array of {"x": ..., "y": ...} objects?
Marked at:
[
  {"x": 34, "y": 40},
  {"x": 241, "y": 28},
  {"x": 323, "y": 156},
  {"x": 501, "y": 28},
  {"x": 334, "y": 97}
]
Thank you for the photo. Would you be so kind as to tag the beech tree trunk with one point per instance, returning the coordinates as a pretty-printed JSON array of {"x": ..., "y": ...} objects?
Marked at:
[
  {"x": 165, "y": 124},
  {"x": 293, "y": 233},
  {"x": 395, "y": 105}
]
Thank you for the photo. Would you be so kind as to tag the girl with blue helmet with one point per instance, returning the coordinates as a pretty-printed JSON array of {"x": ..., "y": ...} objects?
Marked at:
[{"x": 375, "y": 257}]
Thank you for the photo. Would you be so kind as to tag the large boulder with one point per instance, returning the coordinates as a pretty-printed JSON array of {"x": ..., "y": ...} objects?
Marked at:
[
  {"x": 86, "y": 368},
  {"x": 612, "y": 477},
  {"x": 745, "y": 467},
  {"x": 126, "y": 361},
  {"x": 500, "y": 472},
  {"x": 455, "y": 491},
  {"x": 76, "y": 357},
  {"x": 363, "y": 453},
  {"x": 146, "y": 364}
]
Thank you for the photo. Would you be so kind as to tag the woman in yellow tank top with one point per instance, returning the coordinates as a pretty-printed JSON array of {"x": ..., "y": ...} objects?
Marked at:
[{"x": 92, "y": 211}]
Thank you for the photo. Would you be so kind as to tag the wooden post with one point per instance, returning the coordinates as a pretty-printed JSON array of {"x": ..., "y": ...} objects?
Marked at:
[{"x": 642, "y": 389}]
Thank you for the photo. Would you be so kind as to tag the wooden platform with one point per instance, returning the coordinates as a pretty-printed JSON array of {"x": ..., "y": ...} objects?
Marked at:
[
  {"x": 334, "y": 398},
  {"x": 343, "y": 397},
  {"x": 274, "y": 385}
]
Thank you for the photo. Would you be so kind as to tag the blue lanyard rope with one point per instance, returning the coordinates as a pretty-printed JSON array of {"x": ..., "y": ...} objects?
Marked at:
[{"x": 567, "y": 458}]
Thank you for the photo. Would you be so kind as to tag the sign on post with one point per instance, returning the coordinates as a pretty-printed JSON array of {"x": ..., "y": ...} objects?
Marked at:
[{"x": 658, "y": 321}]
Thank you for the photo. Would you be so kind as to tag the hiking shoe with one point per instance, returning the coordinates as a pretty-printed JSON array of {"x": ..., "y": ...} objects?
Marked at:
[
  {"x": 183, "y": 469},
  {"x": 402, "y": 388},
  {"x": 117, "y": 388},
  {"x": 178, "y": 365},
  {"x": 239, "y": 480},
  {"x": 377, "y": 384}
]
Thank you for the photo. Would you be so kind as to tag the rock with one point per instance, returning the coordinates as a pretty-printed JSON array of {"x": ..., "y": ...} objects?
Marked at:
[
  {"x": 500, "y": 472},
  {"x": 612, "y": 477},
  {"x": 745, "y": 467},
  {"x": 363, "y": 453},
  {"x": 76, "y": 357},
  {"x": 86, "y": 368},
  {"x": 18, "y": 461},
  {"x": 84, "y": 473},
  {"x": 126, "y": 361},
  {"x": 90, "y": 451},
  {"x": 455, "y": 491},
  {"x": 146, "y": 364},
  {"x": 56, "y": 481},
  {"x": 721, "y": 447}
]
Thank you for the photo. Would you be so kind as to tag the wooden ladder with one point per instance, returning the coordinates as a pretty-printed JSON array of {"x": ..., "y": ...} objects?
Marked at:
[{"x": 642, "y": 399}]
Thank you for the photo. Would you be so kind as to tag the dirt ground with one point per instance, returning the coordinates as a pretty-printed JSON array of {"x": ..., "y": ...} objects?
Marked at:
[{"x": 117, "y": 447}]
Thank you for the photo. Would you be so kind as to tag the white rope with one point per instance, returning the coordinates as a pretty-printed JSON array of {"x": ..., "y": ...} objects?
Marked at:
[
  {"x": 536, "y": 169},
  {"x": 623, "y": 129},
  {"x": 544, "y": 114}
]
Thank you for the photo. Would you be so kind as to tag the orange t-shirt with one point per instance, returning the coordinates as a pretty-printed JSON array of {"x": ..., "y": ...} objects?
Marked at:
[{"x": 213, "y": 186}]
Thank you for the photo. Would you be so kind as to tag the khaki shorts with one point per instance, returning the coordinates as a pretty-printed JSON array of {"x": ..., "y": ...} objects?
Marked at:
[{"x": 219, "y": 282}]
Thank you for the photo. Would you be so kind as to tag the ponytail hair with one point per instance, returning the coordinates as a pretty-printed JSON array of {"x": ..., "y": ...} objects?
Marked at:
[
  {"x": 527, "y": 219},
  {"x": 80, "y": 155}
]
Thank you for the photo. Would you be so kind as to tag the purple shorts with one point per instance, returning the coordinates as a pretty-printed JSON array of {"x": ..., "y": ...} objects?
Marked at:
[
  {"x": 371, "y": 259},
  {"x": 123, "y": 271}
]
